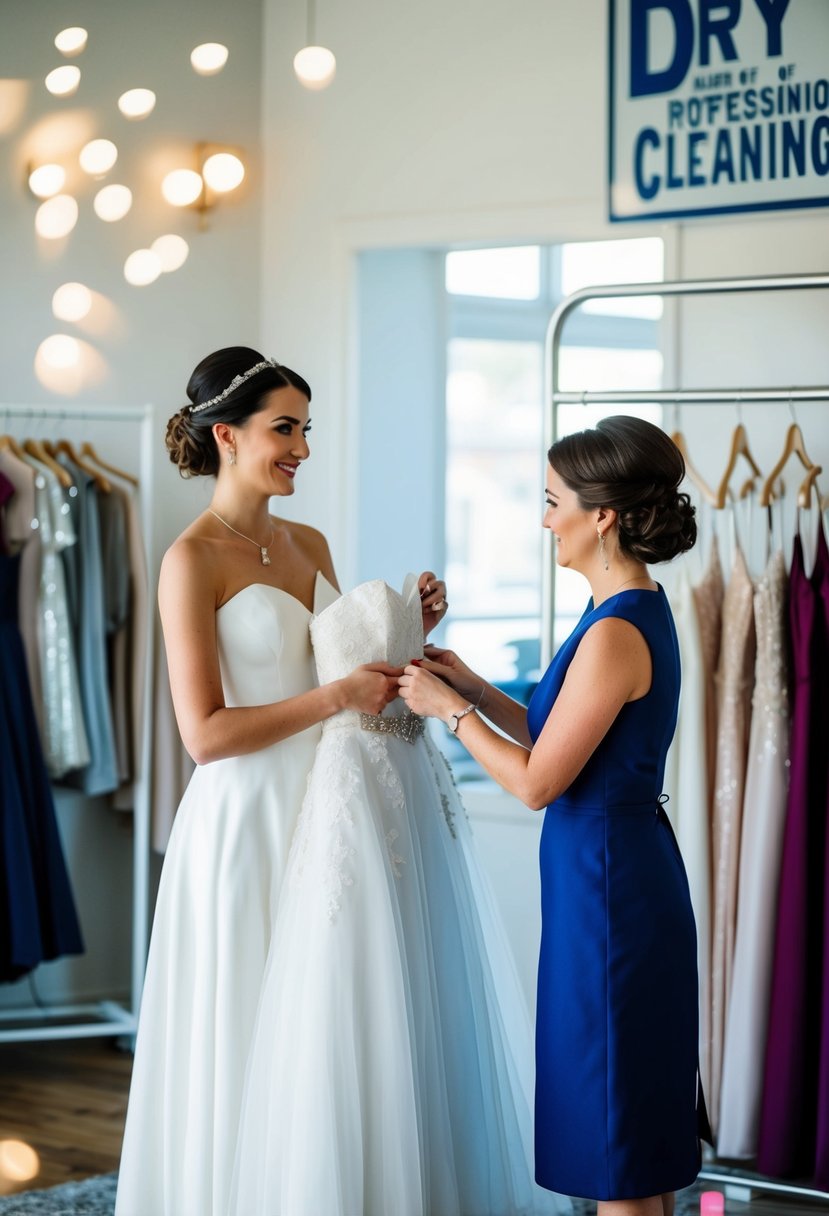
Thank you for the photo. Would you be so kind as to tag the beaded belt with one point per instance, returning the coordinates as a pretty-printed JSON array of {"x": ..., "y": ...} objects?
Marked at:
[{"x": 407, "y": 726}]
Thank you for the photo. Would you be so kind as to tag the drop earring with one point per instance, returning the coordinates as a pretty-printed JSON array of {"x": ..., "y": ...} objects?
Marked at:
[
  {"x": 231, "y": 456},
  {"x": 602, "y": 550}
]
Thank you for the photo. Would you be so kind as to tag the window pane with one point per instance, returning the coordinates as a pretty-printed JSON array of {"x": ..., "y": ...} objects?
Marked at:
[
  {"x": 510, "y": 274},
  {"x": 590, "y": 263},
  {"x": 494, "y": 497},
  {"x": 589, "y": 368}
]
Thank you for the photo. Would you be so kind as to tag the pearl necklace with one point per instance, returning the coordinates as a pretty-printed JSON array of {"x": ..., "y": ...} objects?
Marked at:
[{"x": 263, "y": 549}]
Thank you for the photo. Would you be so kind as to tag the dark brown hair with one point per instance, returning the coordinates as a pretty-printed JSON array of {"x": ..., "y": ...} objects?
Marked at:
[
  {"x": 634, "y": 468},
  {"x": 189, "y": 438}
]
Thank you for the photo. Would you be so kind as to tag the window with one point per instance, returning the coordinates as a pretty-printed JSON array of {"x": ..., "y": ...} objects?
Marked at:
[{"x": 499, "y": 304}]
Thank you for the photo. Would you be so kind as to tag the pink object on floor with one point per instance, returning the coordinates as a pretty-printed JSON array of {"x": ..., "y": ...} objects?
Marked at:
[{"x": 712, "y": 1203}]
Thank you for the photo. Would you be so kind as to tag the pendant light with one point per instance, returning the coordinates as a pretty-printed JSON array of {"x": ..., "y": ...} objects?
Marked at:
[{"x": 315, "y": 66}]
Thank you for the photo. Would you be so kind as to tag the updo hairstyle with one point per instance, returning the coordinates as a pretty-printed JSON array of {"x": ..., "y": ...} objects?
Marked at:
[
  {"x": 634, "y": 468},
  {"x": 189, "y": 438}
]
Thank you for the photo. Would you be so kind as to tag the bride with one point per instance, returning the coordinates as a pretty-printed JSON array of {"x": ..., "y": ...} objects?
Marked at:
[{"x": 391, "y": 1048}]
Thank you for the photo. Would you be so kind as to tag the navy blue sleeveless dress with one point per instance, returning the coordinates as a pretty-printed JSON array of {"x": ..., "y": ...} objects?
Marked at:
[{"x": 617, "y": 1018}]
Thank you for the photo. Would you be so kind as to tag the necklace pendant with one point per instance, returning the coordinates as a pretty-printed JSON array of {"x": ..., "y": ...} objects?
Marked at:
[{"x": 263, "y": 553}]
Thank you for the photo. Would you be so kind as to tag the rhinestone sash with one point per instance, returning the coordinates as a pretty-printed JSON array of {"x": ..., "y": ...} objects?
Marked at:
[{"x": 406, "y": 726}]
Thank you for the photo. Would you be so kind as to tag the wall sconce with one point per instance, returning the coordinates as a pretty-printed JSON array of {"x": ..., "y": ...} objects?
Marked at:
[
  {"x": 136, "y": 103},
  {"x": 72, "y": 302},
  {"x": 112, "y": 203},
  {"x": 209, "y": 58},
  {"x": 98, "y": 156},
  {"x": 63, "y": 82},
  {"x": 71, "y": 41},
  {"x": 221, "y": 170},
  {"x": 315, "y": 66},
  {"x": 45, "y": 180},
  {"x": 56, "y": 217}
]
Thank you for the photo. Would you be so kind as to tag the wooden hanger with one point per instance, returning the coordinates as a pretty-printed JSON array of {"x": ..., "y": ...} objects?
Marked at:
[
  {"x": 692, "y": 473},
  {"x": 794, "y": 446},
  {"x": 739, "y": 447},
  {"x": 101, "y": 482},
  {"x": 35, "y": 448},
  {"x": 88, "y": 450},
  {"x": 8, "y": 443}
]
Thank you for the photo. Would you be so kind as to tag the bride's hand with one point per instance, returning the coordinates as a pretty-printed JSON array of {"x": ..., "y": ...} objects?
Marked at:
[
  {"x": 428, "y": 696},
  {"x": 447, "y": 665},
  {"x": 371, "y": 687},
  {"x": 433, "y": 602}
]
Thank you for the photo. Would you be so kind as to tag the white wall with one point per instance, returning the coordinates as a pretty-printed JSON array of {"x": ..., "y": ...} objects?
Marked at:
[
  {"x": 142, "y": 343},
  {"x": 485, "y": 123}
]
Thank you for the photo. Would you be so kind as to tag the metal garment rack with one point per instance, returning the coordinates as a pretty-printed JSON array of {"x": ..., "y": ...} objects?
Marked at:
[
  {"x": 739, "y": 1184},
  {"x": 106, "y": 1018}
]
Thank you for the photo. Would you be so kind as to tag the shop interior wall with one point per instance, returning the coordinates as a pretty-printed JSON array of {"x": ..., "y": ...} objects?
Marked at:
[{"x": 142, "y": 342}]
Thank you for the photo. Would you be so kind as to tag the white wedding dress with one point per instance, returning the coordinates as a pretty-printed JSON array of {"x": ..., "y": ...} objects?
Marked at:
[
  {"x": 217, "y": 901},
  {"x": 390, "y": 1072}
]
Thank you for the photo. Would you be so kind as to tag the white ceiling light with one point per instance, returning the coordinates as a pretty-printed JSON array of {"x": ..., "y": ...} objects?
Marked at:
[
  {"x": 209, "y": 58},
  {"x": 59, "y": 351},
  {"x": 71, "y": 302},
  {"x": 112, "y": 203},
  {"x": 98, "y": 156},
  {"x": 71, "y": 41},
  {"x": 182, "y": 187},
  {"x": 137, "y": 103},
  {"x": 171, "y": 250},
  {"x": 315, "y": 67},
  {"x": 223, "y": 171},
  {"x": 46, "y": 180},
  {"x": 142, "y": 267},
  {"x": 56, "y": 217},
  {"x": 63, "y": 82}
]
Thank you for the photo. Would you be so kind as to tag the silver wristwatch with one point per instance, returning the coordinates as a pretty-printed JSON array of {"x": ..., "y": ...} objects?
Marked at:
[{"x": 453, "y": 721}]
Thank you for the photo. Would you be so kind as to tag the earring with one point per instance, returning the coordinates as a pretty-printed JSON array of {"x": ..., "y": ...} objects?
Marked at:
[
  {"x": 231, "y": 456},
  {"x": 602, "y": 551}
]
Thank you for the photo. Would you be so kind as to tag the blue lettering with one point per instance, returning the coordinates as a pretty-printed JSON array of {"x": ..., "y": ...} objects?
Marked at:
[
  {"x": 750, "y": 103},
  {"x": 732, "y": 107},
  {"x": 696, "y": 138},
  {"x": 820, "y": 146},
  {"x": 646, "y": 189},
  {"x": 644, "y": 82},
  {"x": 723, "y": 157},
  {"x": 750, "y": 153},
  {"x": 794, "y": 147},
  {"x": 718, "y": 27},
  {"x": 773, "y": 12},
  {"x": 673, "y": 180},
  {"x": 767, "y": 101},
  {"x": 674, "y": 113}
]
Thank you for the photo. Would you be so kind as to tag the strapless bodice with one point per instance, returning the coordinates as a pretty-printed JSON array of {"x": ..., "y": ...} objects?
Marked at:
[
  {"x": 371, "y": 624},
  {"x": 264, "y": 645}
]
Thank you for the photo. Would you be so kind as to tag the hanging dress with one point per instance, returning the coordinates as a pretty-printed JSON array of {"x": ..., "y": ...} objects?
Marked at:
[
  {"x": 735, "y": 677},
  {"x": 786, "y": 1146},
  {"x": 764, "y": 813},
  {"x": 38, "y": 920},
  {"x": 821, "y": 1173}
]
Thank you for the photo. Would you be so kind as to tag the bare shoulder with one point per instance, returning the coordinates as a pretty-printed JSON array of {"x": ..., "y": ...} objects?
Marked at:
[
  {"x": 189, "y": 564},
  {"x": 309, "y": 539}
]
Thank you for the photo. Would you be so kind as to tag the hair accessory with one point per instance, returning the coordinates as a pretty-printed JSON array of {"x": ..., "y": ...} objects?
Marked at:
[{"x": 234, "y": 384}]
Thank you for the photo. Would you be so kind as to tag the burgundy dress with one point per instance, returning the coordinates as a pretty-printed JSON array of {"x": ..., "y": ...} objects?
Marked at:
[
  {"x": 822, "y": 1153},
  {"x": 788, "y": 1122}
]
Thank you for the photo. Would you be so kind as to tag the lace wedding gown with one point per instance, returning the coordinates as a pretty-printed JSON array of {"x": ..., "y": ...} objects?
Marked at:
[
  {"x": 390, "y": 1072},
  {"x": 222, "y": 875}
]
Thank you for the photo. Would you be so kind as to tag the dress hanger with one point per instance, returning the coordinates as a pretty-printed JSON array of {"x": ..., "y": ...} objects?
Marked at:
[
  {"x": 739, "y": 447},
  {"x": 34, "y": 447},
  {"x": 794, "y": 446},
  {"x": 88, "y": 450},
  {"x": 8, "y": 443},
  {"x": 101, "y": 482},
  {"x": 692, "y": 473}
]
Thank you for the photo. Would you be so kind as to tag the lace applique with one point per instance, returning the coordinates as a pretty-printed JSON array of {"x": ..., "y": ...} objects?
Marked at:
[
  {"x": 449, "y": 813},
  {"x": 321, "y": 832},
  {"x": 394, "y": 858}
]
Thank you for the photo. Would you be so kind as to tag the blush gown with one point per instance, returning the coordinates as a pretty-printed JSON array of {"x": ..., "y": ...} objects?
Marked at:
[
  {"x": 617, "y": 1020},
  {"x": 216, "y": 905},
  {"x": 391, "y": 1066}
]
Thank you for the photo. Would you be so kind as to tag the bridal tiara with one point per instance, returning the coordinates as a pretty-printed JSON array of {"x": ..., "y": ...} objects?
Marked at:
[{"x": 234, "y": 384}]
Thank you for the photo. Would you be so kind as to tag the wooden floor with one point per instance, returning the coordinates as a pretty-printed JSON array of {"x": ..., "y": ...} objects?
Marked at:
[{"x": 66, "y": 1100}]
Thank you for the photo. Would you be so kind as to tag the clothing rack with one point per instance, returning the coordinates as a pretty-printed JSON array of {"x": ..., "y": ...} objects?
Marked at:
[
  {"x": 739, "y": 1184},
  {"x": 106, "y": 1017}
]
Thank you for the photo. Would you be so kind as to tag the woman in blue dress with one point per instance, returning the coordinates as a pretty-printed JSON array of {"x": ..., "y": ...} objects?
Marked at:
[{"x": 618, "y": 1107}]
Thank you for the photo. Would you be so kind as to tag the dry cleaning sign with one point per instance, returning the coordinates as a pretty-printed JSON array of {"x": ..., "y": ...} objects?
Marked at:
[{"x": 717, "y": 106}]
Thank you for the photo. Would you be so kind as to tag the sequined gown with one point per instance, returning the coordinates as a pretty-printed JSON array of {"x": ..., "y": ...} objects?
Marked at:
[
  {"x": 735, "y": 677},
  {"x": 764, "y": 814},
  {"x": 391, "y": 1066}
]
